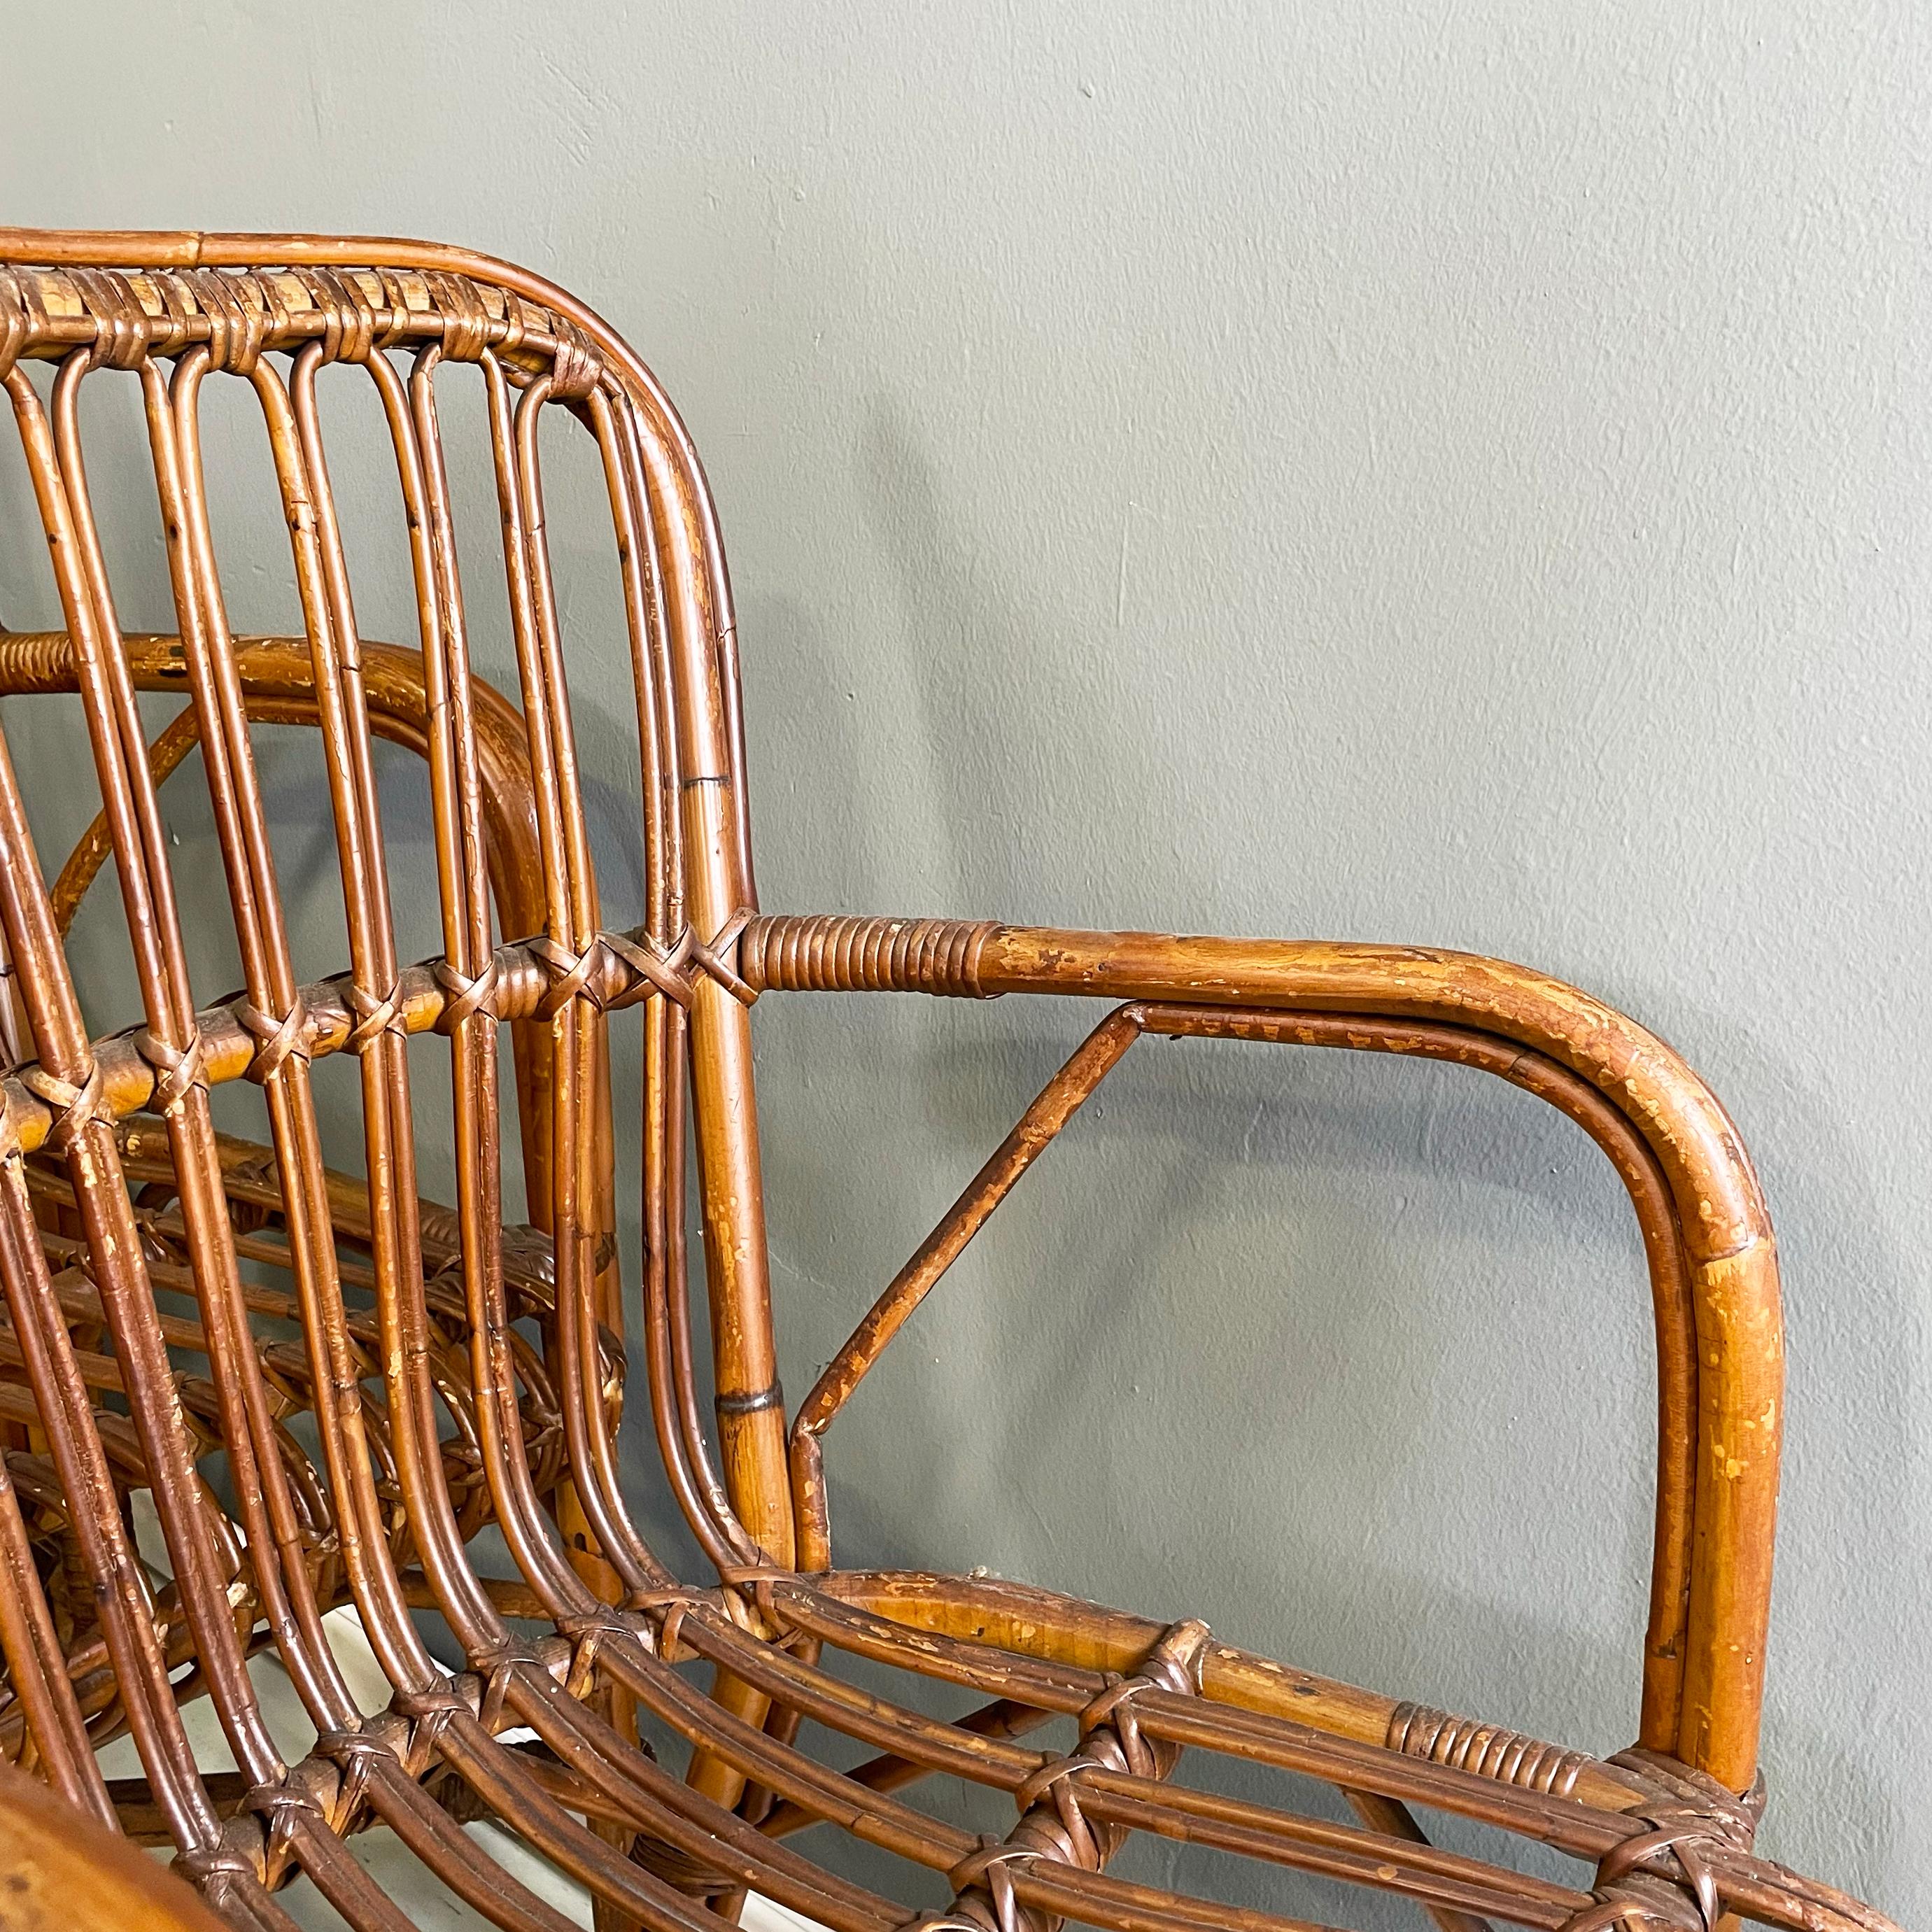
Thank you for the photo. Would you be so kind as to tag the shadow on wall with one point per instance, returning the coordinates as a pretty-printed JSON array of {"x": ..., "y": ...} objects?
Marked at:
[{"x": 1006, "y": 713}]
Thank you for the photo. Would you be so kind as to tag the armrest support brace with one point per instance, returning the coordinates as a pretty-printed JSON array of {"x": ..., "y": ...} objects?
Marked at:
[{"x": 1707, "y": 1236}]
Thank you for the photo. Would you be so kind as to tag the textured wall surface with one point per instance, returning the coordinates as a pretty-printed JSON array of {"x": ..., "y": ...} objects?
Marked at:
[{"x": 1455, "y": 474}]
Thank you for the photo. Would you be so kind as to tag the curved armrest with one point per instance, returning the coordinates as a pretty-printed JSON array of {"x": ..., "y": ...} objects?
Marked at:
[
  {"x": 1707, "y": 1238},
  {"x": 65, "y": 1871}
]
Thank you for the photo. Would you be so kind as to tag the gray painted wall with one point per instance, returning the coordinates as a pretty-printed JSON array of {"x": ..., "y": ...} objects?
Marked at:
[{"x": 1432, "y": 473}]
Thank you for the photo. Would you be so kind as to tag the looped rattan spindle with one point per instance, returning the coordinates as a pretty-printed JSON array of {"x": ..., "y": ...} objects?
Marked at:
[{"x": 121, "y": 339}]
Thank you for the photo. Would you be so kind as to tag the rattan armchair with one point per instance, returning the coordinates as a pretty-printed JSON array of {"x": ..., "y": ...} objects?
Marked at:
[{"x": 380, "y": 1375}]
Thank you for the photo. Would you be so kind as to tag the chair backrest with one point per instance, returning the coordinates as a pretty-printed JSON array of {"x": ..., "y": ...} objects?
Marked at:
[{"x": 171, "y": 313}]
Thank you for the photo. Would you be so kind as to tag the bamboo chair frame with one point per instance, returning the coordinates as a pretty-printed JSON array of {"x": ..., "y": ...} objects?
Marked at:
[{"x": 114, "y": 1185}]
